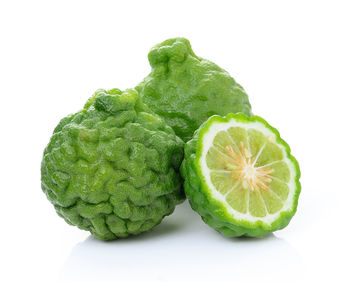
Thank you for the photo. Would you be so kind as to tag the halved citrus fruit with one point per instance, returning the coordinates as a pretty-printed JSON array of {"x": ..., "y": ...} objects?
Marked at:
[{"x": 240, "y": 176}]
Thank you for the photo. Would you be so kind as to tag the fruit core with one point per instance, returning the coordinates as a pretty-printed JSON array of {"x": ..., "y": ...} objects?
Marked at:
[{"x": 244, "y": 168}]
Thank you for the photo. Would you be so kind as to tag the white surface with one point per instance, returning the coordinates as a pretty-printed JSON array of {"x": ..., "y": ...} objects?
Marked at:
[{"x": 291, "y": 57}]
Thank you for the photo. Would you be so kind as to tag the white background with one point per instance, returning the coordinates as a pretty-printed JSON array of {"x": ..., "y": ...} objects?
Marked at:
[{"x": 292, "y": 57}]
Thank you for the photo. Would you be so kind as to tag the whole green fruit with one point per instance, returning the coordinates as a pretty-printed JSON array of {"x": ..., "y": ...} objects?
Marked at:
[
  {"x": 113, "y": 167},
  {"x": 186, "y": 90}
]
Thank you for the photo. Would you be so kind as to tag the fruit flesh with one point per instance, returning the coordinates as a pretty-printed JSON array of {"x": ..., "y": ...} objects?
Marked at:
[
  {"x": 215, "y": 187},
  {"x": 242, "y": 174}
]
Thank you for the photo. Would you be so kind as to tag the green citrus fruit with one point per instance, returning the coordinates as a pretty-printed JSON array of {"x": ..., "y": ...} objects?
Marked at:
[
  {"x": 186, "y": 89},
  {"x": 113, "y": 167},
  {"x": 240, "y": 176}
]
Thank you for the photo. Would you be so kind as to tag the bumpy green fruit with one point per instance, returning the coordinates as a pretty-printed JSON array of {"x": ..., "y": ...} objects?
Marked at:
[
  {"x": 113, "y": 167},
  {"x": 186, "y": 90},
  {"x": 240, "y": 176}
]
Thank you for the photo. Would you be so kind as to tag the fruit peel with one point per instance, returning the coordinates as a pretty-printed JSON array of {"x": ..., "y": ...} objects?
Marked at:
[
  {"x": 186, "y": 90},
  {"x": 113, "y": 167}
]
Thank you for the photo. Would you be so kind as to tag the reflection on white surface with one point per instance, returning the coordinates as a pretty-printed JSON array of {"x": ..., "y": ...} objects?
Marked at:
[{"x": 181, "y": 237}]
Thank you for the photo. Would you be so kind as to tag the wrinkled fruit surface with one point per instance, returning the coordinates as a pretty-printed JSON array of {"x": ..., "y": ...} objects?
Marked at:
[
  {"x": 112, "y": 168},
  {"x": 186, "y": 90},
  {"x": 240, "y": 176}
]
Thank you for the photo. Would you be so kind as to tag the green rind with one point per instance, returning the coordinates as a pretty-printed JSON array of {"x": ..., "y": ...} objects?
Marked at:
[
  {"x": 186, "y": 89},
  {"x": 113, "y": 167},
  {"x": 212, "y": 211}
]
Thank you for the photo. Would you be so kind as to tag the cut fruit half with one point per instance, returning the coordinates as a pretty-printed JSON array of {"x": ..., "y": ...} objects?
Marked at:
[{"x": 244, "y": 170}]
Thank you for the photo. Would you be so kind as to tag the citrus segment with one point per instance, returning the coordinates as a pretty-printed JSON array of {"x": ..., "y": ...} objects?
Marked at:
[
  {"x": 279, "y": 188},
  {"x": 238, "y": 134},
  {"x": 273, "y": 202},
  {"x": 271, "y": 153},
  {"x": 224, "y": 182},
  {"x": 238, "y": 199},
  {"x": 257, "y": 142},
  {"x": 216, "y": 160},
  {"x": 256, "y": 204},
  {"x": 280, "y": 171}
]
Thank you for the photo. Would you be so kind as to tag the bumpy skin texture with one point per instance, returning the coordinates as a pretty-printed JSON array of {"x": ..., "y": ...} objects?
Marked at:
[
  {"x": 186, "y": 90},
  {"x": 212, "y": 211},
  {"x": 113, "y": 167}
]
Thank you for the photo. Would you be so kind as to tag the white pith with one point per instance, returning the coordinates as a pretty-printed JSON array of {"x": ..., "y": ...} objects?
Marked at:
[{"x": 207, "y": 141}]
